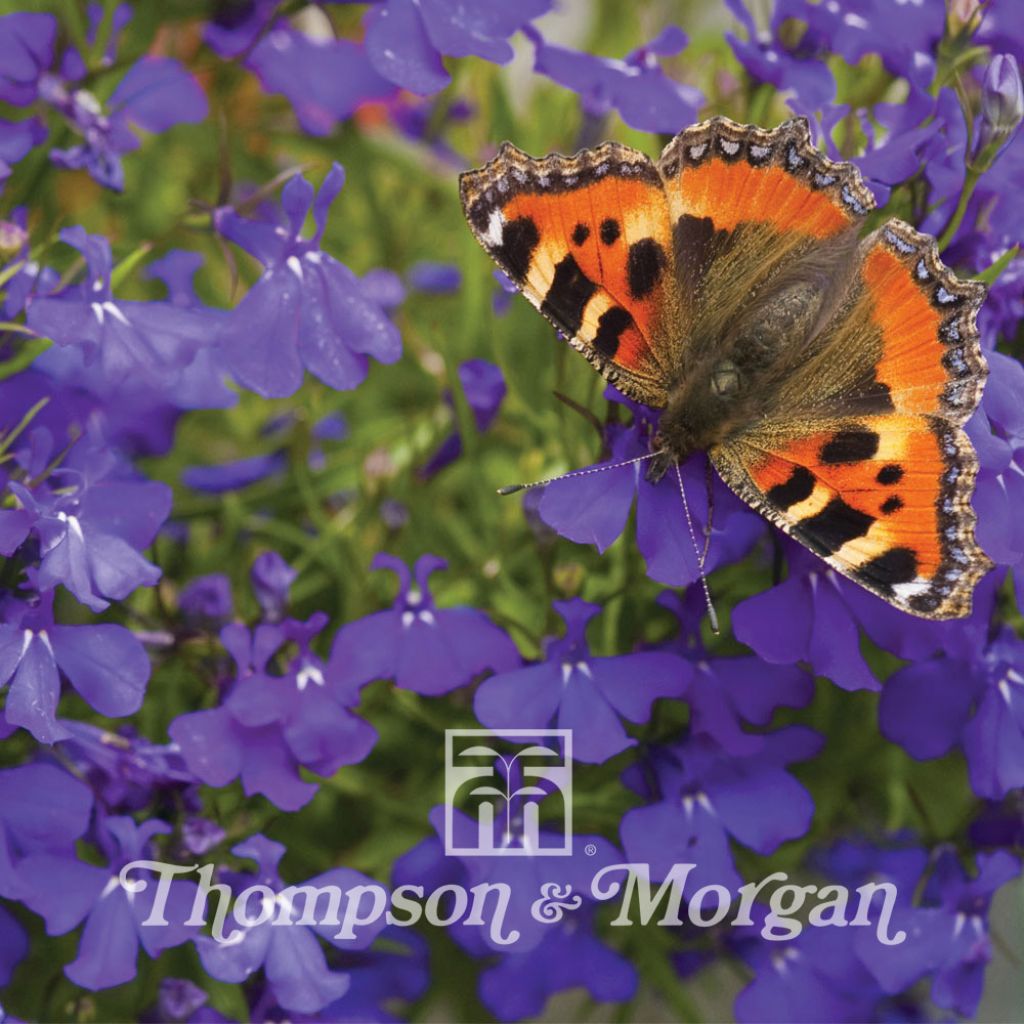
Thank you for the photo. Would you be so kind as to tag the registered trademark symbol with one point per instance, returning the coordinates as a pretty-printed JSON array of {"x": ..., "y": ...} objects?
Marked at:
[{"x": 590, "y": 849}]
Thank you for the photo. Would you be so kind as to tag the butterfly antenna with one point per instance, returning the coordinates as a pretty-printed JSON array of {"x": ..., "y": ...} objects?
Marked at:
[
  {"x": 512, "y": 488},
  {"x": 697, "y": 551}
]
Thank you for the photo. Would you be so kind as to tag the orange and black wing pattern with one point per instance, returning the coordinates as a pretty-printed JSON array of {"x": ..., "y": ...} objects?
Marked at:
[
  {"x": 866, "y": 462},
  {"x": 588, "y": 242}
]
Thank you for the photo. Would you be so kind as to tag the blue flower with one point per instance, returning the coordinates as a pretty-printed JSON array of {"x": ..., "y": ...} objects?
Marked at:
[
  {"x": 26, "y": 41},
  {"x": 151, "y": 340},
  {"x": 104, "y": 662},
  {"x": 701, "y": 795},
  {"x": 577, "y": 691},
  {"x": 306, "y": 309},
  {"x": 405, "y": 40},
  {"x": 269, "y": 724},
  {"x": 291, "y": 957},
  {"x": 422, "y": 647},
  {"x": 65, "y": 891},
  {"x": 635, "y": 87}
]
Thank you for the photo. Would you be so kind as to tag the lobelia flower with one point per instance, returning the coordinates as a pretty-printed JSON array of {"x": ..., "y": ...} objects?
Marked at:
[
  {"x": 976, "y": 701},
  {"x": 527, "y": 877},
  {"x": 306, "y": 309},
  {"x": 422, "y": 647},
  {"x": 91, "y": 527},
  {"x": 151, "y": 340},
  {"x": 405, "y": 40},
  {"x": 155, "y": 94},
  {"x": 292, "y": 959},
  {"x": 268, "y": 725},
  {"x": 105, "y": 663},
  {"x": 1002, "y": 108},
  {"x": 483, "y": 386},
  {"x": 125, "y": 771},
  {"x": 13, "y": 946},
  {"x": 272, "y": 578},
  {"x": 325, "y": 79},
  {"x": 814, "y": 615},
  {"x": 438, "y": 278},
  {"x": 635, "y": 87},
  {"x": 233, "y": 476},
  {"x": 947, "y": 936},
  {"x": 378, "y": 977},
  {"x": 704, "y": 795},
  {"x": 43, "y": 809},
  {"x": 593, "y": 507},
  {"x": 206, "y": 601},
  {"x": 577, "y": 691},
  {"x": 66, "y": 891},
  {"x": 26, "y": 40},
  {"x": 723, "y": 693}
]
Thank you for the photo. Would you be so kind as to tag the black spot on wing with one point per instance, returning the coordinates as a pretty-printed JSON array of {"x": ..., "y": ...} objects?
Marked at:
[
  {"x": 644, "y": 265},
  {"x": 612, "y": 323},
  {"x": 568, "y": 295},
  {"x": 696, "y": 244},
  {"x": 580, "y": 234},
  {"x": 518, "y": 240},
  {"x": 855, "y": 445},
  {"x": 832, "y": 527},
  {"x": 870, "y": 396},
  {"x": 897, "y": 565},
  {"x": 797, "y": 488},
  {"x": 892, "y": 504},
  {"x": 889, "y": 474},
  {"x": 610, "y": 231}
]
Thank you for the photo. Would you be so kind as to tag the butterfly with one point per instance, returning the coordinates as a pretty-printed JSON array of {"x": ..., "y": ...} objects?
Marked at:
[{"x": 826, "y": 372}]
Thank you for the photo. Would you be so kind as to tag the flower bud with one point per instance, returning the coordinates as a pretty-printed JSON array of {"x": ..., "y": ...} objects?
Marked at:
[{"x": 1002, "y": 99}]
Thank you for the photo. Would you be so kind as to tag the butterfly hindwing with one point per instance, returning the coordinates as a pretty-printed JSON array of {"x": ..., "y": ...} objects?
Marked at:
[
  {"x": 587, "y": 240},
  {"x": 863, "y": 459}
]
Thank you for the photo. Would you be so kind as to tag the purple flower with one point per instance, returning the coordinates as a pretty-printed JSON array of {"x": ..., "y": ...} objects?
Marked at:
[
  {"x": 947, "y": 937},
  {"x": 636, "y": 87},
  {"x": 270, "y": 724},
  {"x": 272, "y": 578},
  {"x": 422, "y": 647},
  {"x": 42, "y": 809},
  {"x": 104, "y": 662},
  {"x": 91, "y": 527},
  {"x": 723, "y": 693},
  {"x": 580, "y": 692},
  {"x": 307, "y": 309},
  {"x": 26, "y": 41},
  {"x": 124, "y": 770},
  {"x": 233, "y": 476},
  {"x": 155, "y": 94},
  {"x": 813, "y": 616},
  {"x": 151, "y": 340},
  {"x": 13, "y": 945},
  {"x": 704, "y": 795},
  {"x": 977, "y": 701},
  {"x": 439, "y": 278},
  {"x": 483, "y": 386},
  {"x": 206, "y": 600},
  {"x": 405, "y": 40},
  {"x": 593, "y": 507},
  {"x": 65, "y": 891},
  {"x": 570, "y": 956},
  {"x": 291, "y": 957},
  {"x": 324, "y": 79}
]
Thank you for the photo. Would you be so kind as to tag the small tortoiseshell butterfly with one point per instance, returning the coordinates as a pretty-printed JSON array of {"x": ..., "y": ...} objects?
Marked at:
[{"x": 826, "y": 375}]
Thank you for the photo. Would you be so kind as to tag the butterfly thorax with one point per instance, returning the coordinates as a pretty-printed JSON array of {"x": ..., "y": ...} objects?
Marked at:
[{"x": 725, "y": 385}]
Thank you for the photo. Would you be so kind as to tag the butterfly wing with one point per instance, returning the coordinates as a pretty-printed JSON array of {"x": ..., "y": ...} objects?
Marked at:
[
  {"x": 587, "y": 240},
  {"x": 750, "y": 209},
  {"x": 863, "y": 459}
]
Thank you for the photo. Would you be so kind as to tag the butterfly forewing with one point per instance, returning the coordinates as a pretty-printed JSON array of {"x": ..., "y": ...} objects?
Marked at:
[{"x": 587, "y": 240}]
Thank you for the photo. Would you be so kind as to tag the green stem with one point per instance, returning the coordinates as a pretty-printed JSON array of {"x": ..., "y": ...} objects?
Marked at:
[{"x": 970, "y": 182}]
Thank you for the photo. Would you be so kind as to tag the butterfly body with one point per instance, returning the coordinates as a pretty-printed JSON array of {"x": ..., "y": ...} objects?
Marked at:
[{"x": 826, "y": 373}]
